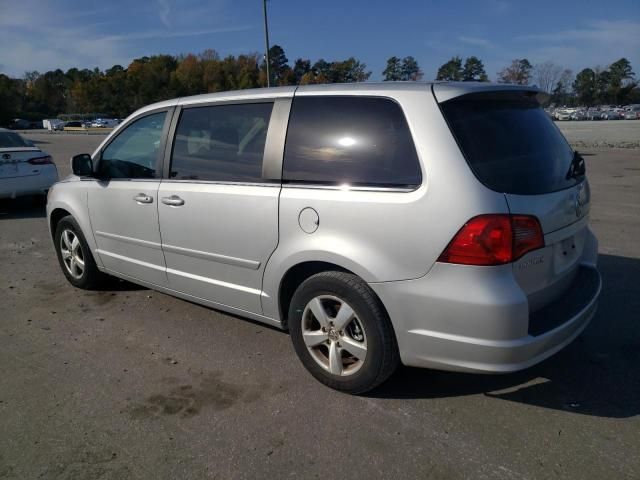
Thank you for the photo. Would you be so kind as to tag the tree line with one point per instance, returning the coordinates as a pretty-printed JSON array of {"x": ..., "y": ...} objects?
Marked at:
[{"x": 118, "y": 91}]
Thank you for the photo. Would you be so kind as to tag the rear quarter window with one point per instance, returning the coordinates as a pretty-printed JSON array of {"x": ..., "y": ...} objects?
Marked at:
[
  {"x": 360, "y": 141},
  {"x": 510, "y": 143}
]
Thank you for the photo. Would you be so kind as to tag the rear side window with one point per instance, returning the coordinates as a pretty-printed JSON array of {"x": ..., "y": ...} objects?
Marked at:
[
  {"x": 510, "y": 143},
  {"x": 221, "y": 143},
  {"x": 360, "y": 141}
]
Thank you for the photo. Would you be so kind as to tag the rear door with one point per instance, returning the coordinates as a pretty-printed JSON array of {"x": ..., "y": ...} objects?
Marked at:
[
  {"x": 123, "y": 202},
  {"x": 218, "y": 204},
  {"x": 513, "y": 147}
]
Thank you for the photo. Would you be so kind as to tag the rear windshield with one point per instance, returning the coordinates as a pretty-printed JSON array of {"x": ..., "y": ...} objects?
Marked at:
[
  {"x": 510, "y": 143},
  {"x": 12, "y": 140}
]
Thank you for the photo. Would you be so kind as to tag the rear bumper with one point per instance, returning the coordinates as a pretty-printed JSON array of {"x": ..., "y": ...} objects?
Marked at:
[
  {"x": 30, "y": 184},
  {"x": 468, "y": 319}
]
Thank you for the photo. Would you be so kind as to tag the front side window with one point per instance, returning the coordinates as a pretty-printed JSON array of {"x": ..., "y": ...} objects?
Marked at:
[
  {"x": 134, "y": 152},
  {"x": 221, "y": 143},
  {"x": 350, "y": 140}
]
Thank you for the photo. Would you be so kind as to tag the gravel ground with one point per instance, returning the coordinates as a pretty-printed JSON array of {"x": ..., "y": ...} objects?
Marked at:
[
  {"x": 131, "y": 383},
  {"x": 599, "y": 134}
]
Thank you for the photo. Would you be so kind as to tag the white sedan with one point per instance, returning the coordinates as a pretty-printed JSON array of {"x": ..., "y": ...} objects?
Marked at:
[{"x": 24, "y": 168}]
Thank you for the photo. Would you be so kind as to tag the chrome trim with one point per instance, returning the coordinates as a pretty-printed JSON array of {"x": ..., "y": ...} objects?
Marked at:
[
  {"x": 350, "y": 188},
  {"x": 219, "y": 182},
  {"x": 214, "y": 257},
  {"x": 131, "y": 260},
  {"x": 203, "y": 301},
  {"x": 199, "y": 278},
  {"x": 122, "y": 238}
]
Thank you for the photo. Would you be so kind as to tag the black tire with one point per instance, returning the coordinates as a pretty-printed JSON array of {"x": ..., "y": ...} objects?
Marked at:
[
  {"x": 91, "y": 278},
  {"x": 382, "y": 357}
]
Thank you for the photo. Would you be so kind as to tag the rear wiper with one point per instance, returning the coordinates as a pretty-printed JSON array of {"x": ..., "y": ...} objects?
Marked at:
[{"x": 577, "y": 167}]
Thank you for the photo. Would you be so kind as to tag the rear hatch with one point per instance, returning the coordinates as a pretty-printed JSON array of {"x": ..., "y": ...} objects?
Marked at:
[
  {"x": 513, "y": 147},
  {"x": 15, "y": 154}
]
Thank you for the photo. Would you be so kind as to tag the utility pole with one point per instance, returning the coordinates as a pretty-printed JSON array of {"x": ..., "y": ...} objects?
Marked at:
[{"x": 266, "y": 39}]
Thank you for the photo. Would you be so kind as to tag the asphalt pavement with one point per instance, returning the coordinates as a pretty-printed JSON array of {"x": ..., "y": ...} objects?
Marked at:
[{"x": 129, "y": 383}]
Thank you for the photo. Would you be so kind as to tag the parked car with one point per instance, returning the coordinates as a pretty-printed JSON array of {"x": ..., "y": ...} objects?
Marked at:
[
  {"x": 579, "y": 115},
  {"x": 563, "y": 115},
  {"x": 612, "y": 115},
  {"x": 633, "y": 113},
  {"x": 437, "y": 225},
  {"x": 24, "y": 168}
]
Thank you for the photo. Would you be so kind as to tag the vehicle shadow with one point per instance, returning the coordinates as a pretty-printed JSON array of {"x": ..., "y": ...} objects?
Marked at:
[
  {"x": 23, "y": 207},
  {"x": 598, "y": 374}
]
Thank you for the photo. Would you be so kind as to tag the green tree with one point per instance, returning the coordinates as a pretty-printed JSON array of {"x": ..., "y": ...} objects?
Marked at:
[
  {"x": 301, "y": 68},
  {"x": 621, "y": 80},
  {"x": 409, "y": 70},
  {"x": 473, "y": 70},
  {"x": 519, "y": 72},
  {"x": 584, "y": 87},
  {"x": 278, "y": 66},
  {"x": 11, "y": 97},
  {"x": 452, "y": 70},
  {"x": 393, "y": 70}
]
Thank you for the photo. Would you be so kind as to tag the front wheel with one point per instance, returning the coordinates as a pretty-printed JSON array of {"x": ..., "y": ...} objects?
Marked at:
[
  {"x": 75, "y": 257},
  {"x": 342, "y": 333}
]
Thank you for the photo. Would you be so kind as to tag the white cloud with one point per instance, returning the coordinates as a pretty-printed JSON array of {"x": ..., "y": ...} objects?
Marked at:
[
  {"x": 164, "y": 10},
  {"x": 475, "y": 41},
  {"x": 598, "y": 43},
  {"x": 39, "y": 36}
]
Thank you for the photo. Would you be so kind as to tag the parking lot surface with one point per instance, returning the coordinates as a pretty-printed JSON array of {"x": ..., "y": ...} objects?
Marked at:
[{"x": 131, "y": 383}]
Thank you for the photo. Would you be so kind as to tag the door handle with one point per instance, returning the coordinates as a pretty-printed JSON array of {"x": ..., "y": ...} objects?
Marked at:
[
  {"x": 143, "y": 198},
  {"x": 173, "y": 200}
]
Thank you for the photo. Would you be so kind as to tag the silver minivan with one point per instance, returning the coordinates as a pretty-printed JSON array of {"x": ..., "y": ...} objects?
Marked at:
[{"x": 440, "y": 225}]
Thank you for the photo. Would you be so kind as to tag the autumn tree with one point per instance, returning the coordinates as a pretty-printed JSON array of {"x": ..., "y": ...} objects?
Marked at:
[
  {"x": 546, "y": 75},
  {"x": 519, "y": 72}
]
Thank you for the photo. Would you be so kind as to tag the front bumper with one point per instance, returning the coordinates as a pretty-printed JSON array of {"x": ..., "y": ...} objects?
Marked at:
[{"x": 463, "y": 319}]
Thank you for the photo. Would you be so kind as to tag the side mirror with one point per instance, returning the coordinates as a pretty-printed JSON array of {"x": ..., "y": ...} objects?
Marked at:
[{"x": 82, "y": 165}]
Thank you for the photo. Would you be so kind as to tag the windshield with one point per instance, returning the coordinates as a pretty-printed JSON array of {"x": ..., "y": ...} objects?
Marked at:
[
  {"x": 510, "y": 143},
  {"x": 12, "y": 140}
]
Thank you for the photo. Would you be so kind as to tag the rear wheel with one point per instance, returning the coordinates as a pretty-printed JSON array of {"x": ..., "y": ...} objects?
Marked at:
[
  {"x": 75, "y": 257},
  {"x": 341, "y": 332}
]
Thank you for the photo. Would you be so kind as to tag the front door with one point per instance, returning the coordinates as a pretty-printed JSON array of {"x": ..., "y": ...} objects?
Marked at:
[
  {"x": 123, "y": 203},
  {"x": 218, "y": 215}
]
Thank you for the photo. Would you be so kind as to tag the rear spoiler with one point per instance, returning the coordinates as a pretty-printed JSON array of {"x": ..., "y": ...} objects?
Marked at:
[{"x": 444, "y": 92}]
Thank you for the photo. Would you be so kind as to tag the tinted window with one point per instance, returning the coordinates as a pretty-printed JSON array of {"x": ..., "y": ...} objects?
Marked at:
[
  {"x": 221, "y": 143},
  {"x": 10, "y": 139},
  {"x": 352, "y": 140},
  {"x": 134, "y": 152},
  {"x": 510, "y": 143}
]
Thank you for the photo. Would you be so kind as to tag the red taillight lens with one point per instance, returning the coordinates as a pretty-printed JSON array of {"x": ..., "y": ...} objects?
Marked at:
[
  {"x": 40, "y": 160},
  {"x": 494, "y": 240},
  {"x": 527, "y": 235}
]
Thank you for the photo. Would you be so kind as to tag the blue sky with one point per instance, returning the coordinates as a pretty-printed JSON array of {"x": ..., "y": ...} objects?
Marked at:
[{"x": 43, "y": 35}]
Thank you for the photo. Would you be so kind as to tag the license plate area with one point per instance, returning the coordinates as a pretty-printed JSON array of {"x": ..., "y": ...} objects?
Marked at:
[
  {"x": 8, "y": 168},
  {"x": 567, "y": 251}
]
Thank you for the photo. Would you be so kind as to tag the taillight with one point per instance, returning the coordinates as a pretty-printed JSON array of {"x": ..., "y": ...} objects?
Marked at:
[
  {"x": 40, "y": 160},
  {"x": 494, "y": 240}
]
